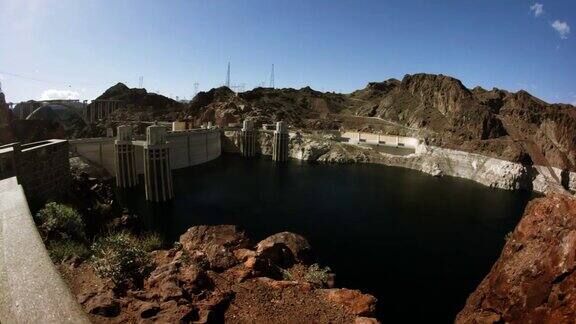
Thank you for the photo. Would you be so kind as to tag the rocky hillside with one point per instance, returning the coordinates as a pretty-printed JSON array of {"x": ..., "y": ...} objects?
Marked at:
[
  {"x": 215, "y": 275},
  {"x": 265, "y": 105},
  {"x": 492, "y": 122},
  {"x": 137, "y": 97},
  {"x": 512, "y": 126},
  {"x": 534, "y": 280}
]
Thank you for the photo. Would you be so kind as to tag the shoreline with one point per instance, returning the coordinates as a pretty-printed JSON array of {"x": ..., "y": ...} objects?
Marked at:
[{"x": 435, "y": 161}]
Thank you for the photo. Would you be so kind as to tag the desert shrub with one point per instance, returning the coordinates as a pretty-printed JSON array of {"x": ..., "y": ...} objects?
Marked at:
[
  {"x": 317, "y": 275},
  {"x": 286, "y": 275},
  {"x": 60, "y": 222},
  {"x": 120, "y": 257},
  {"x": 61, "y": 250},
  {"x": 150, "y": 242}
]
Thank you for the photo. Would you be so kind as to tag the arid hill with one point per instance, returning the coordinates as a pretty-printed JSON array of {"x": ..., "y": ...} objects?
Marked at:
[
  {"x": 492, "y": 122},
  {"x": 437, "y": 108},
  {"x": 265, "y": 105}
]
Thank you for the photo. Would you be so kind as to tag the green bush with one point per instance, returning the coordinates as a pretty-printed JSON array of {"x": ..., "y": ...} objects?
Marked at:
[
  {"x": 120, "y": 257},
  {"x": 150, "y": 242},
  {"x": 60, "y": 222},
  {"x": 61, "y": 250},
  {"x": 317, "y": 275}
]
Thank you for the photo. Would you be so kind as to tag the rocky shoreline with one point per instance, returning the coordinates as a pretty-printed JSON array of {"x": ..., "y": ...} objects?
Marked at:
[
  {"x": 214, "y": 274},
  {"x": 436, "y": 161}
]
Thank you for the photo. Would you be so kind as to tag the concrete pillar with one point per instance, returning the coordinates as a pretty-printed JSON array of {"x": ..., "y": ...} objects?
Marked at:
[
  {"x": 248, "y": 139},
  {"x": 280, "y": 143},
  {"x": 157, "y": 171},
  {"x": 124, "y": 158}
]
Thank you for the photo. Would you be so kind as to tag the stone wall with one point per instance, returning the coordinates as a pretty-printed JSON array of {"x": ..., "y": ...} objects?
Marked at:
[{"x": 43, "y": 169}]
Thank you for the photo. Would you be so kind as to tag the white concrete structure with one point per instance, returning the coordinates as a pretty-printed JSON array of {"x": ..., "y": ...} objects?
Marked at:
[
  {"x": 248, "y": 139},
  {"x": 157, "y": 170},
  {"x": 187, "y": 148},
  {"x": 380, "y": 139},
  {"x": 280, "y": 143},
  {"x": 125, "y": 158},
  {"x": 178, "y": 126}
]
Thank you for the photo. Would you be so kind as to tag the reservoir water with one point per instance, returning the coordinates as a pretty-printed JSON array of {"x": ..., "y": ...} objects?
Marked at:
[{"x": 420, "y": 244}]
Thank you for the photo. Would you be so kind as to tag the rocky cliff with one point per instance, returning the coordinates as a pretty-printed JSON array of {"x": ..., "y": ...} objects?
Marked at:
[{"x": 534, "y": 280}]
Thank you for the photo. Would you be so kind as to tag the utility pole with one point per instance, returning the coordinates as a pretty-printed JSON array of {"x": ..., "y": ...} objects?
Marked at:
[
  {"x": 228, "y": 76},
  {"x": 272, "y": 77}
]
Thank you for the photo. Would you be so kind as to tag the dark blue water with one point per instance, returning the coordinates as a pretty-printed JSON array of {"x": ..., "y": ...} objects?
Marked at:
[{"x": 419, "y": 244}]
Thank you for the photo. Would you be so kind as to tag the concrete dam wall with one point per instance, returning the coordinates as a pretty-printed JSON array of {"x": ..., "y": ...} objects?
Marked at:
[{"x": 187, "y": 148}]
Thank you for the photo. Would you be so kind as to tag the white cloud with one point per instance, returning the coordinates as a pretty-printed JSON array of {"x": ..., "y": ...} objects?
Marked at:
[
  {"x": 538, "y": 9},
  {"x": 562, "y": 28},
  {"x": 52, "y": 94}
]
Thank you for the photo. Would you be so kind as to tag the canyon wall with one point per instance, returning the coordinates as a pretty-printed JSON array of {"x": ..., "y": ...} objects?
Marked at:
[{"x": 436, "y": 161}]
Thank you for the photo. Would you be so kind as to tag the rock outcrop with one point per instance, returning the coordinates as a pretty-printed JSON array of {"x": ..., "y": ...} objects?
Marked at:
[
  {"x": 214, "y": 275},
  {"x": 494, "y": 122},
  {"x": 534, "y": 280}
]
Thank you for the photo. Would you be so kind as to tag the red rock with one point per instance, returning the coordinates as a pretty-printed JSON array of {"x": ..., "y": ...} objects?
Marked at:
[
  {"x": 358, "y": 303},
  {"x": 281, "y": 247},
  {"x": 217, "y": 242},
  {"x": 365, "y": 320},
  {"x": 103, "y": 305},
  {"x": 534, "y": 280},
  {"x": 147, "y": 310}
]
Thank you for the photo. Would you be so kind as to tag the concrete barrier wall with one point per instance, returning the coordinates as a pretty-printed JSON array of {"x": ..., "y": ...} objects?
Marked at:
[
  {"x": 187, "y": 148},
  {"x": 31, "y": 289}
]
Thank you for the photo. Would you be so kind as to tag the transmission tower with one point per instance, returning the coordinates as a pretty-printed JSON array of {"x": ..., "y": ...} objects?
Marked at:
[
  {"x": 228, "y": 76},
  {"x": 272, "y": 77},
  {"x": 140, "y": 82},
  {"x": 196, "y": 84},
  {"x": 0, "y": 86}
]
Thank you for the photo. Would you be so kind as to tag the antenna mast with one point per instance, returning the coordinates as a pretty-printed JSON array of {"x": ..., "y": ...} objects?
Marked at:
[
  {"x": 228, "y": 76},
  {"x": 272, "y": 77}
]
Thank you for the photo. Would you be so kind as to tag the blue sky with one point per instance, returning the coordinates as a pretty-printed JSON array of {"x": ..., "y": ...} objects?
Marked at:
[{"x": 79, "y": 48}]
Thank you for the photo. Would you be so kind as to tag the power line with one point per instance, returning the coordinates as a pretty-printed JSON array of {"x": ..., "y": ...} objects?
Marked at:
[{"x": 17, "y": 75}]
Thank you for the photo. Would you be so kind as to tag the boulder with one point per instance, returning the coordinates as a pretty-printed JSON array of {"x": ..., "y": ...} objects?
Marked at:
[
  {"x": 285, "y": 248},
  {"x": 217, "y": 242},
  {"x": 354, "y": 300}
]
